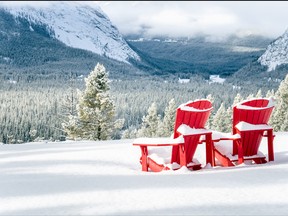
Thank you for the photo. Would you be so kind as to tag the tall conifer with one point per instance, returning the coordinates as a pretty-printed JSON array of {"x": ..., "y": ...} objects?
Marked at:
[{"x": 96, "y": 110}]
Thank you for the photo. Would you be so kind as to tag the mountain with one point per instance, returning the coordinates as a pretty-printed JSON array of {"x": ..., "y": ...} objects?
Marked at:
[
  {"x": 268, "y": 70},
  {"x": 52, "y": 39},
  {"x": 276, "y": 53},
  {"x": 77, "y": 25}
]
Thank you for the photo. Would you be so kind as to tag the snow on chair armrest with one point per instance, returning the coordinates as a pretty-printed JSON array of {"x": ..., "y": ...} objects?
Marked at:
[
  {"x": 217, "y": 136},
  {"x": 186, "y": 130},
  {"x": 244, "y": 126},
  {"x": 161, "y": 141}
]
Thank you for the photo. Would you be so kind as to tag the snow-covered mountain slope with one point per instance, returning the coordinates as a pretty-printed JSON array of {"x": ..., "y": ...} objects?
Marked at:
[
  {"x": 276, "y": 53},
  {"x": 77, "y": 25}
]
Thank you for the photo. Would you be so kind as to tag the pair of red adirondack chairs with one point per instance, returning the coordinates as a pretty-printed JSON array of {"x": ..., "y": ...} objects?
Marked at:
[{"x": 250, "y": 124}]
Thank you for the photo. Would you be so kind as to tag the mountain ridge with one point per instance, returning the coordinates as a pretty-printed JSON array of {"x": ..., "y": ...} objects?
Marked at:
[
  {"x": 55, "y": 39},
  {"x": 276, "y": 53},
  {"x": 77, "y": 25}
]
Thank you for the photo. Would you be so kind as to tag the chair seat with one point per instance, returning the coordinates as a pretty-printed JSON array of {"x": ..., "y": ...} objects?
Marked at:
[{"x": 225, "y": 147}]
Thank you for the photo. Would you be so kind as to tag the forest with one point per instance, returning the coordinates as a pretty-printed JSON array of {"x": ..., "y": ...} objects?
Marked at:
[{"x": 33, "y": 110}]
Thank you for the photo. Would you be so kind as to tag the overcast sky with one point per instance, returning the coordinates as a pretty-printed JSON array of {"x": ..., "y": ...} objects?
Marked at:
[{"x": 187, "y": 18}]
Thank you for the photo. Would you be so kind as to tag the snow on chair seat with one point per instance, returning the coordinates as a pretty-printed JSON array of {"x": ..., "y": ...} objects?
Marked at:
[
  {"x": 159, "y": 159},
  {"x": 181, "y": 147},
  {"x": 224, "y": 146}
]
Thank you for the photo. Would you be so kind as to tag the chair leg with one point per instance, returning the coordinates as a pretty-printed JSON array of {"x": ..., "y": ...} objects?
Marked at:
[
  {"x": 259, "y": 160},
  {"x": 270, "y": 138},
  {"x": 144, "y": 151},
  {"x": 210, "y": 156},
  {"x": 240, "y": 152},
  {"x": 182, "y": 155}
]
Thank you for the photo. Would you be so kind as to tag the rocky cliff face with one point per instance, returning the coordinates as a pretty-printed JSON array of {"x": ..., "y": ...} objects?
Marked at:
[{"x": 276, "y": 53}]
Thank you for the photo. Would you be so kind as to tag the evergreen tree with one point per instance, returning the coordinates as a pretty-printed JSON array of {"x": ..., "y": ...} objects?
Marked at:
[
  {"x": 209, "y": 123},
  {"x": 166, "y": 127},
  {"x": 68, "y": 111},
  {"x": 150, "y": 123},
  {"x": 259, "y": 94},
  {"x": 96, "y": 110},
  {"x": 221, "y": 120},
  {"x": 279, "y": 116},
  {"x": 229, "y": 119},
  {"x": 238, "y": 98},
  {"x": 250, "y": 96},
  {"x": 72, "y": 126},
  {"x": 270, "y": 93},
  {"x": 129, "y": 133},
  {"x": 70, "y": 99}
]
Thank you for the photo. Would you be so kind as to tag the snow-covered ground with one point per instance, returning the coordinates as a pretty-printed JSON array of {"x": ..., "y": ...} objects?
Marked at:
[{"x": 105, "y": 178}]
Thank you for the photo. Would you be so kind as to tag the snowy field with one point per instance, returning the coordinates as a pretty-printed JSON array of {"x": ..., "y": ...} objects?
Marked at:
[{"x": 105, "y": 178}]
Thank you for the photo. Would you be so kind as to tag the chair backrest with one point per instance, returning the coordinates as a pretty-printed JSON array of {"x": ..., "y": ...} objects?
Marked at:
[
  {"x": 254, "y": 111},
  {"x": 194, "y": 114}
]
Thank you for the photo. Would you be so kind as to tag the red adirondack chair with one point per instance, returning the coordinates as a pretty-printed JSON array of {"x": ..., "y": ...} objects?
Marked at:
[
  {"x": 190, "y": 121},
  {"x": 250, "y": 121}
]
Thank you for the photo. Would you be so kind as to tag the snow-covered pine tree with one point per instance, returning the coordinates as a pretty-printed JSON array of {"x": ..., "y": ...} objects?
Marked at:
[
  {"x": 72, "y": 126},
  {"x": 221, "y": 120},
  {"x": 129, "y": 133},
  {"x": 166, "y": 127},
  {"x": 229, "y": 119},
  {"x": 250, "y": 96},
  {"x": 68, "y": 110},
  {"x": 279, "y": 116},
  {"x": 270, "y": 93},
  {"x": 96, "y": 110},
  {"x": 68, "y": 107},
  {"x": 209, "y": 123},
  {"x": 259, "y": 94},
  {"x": 150, "y": 123},
  {"x": 238, "y": 98}
]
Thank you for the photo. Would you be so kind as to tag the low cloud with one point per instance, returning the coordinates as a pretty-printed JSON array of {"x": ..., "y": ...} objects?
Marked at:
[
  {"x": 189, "y": 18},
  {"x": 176, "y": 18}
]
